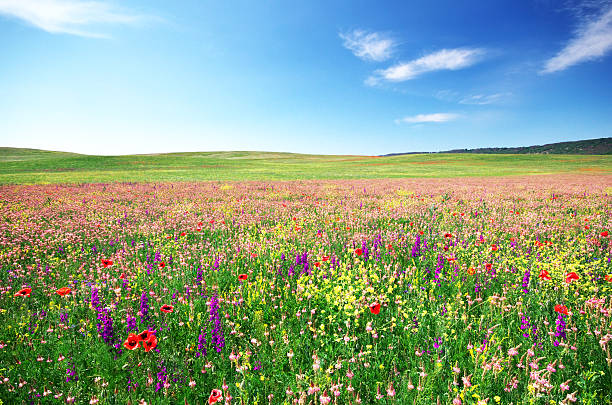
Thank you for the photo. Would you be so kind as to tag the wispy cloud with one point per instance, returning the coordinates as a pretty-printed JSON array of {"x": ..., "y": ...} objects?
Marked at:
[
  {"x": 592, "y": 40},
  {"x": 452, "y": 96},
  {"x": 422, "y": 118},
  {"x": 74, "y": 17},
  {"x": 372, "y": 46},
  {"x": 483, "y": 99},
  {"x": 445, "y": 59}
]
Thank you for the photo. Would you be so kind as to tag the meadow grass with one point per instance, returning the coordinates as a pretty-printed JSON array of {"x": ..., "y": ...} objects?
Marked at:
[{"x": 26, "y": 166}]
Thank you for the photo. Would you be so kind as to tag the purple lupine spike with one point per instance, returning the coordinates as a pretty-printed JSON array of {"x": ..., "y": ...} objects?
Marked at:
[
  {"x": 526, "y": 278},
  {"x": 131, "y": 324},
  {"x": 201, "y": 344},
  {"x": 416, "y": 249},
  {"x": 560, "y": 333},
  {"x": 144, "y": 307},
  {"x": 95, "y": 298},
  {"x": 216, "y": 333}
]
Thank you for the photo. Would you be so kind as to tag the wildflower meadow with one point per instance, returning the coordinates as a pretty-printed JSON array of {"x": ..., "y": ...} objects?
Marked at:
[{"x": 382, "y": 291}]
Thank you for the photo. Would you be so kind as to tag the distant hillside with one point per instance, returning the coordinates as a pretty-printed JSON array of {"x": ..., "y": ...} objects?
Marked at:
[{"x": 601, "y": 146}]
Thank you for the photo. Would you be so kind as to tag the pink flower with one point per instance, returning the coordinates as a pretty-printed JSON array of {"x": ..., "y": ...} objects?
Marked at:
[{"x": 324, "y": 399}]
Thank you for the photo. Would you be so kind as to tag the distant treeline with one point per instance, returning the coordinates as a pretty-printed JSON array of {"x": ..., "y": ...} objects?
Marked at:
[{"x": 601, "y": 146}]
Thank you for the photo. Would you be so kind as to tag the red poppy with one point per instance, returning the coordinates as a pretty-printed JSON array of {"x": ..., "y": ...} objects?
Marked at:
[
  {"x": 64, "y": 291},
  {"x": 132, "y": 342},
  {"x": 325, "y": 258},
  {"x": 162, "y": 265},
  {"x": 608, "y": 278},
  {"x": 167, "y": 308},
  {"x": 122, "y": 276},
  {"x": 200, "y": 223},
  {"x": 494, "y": 248},
  {"x": 183, "y": 233},
  {"x": 571, "y": 277},
  {"x": 150, "y": 343},
  {"x": 215, "y": 396},
  {"x": 488, "y": 266},
  {"x": 471, "y": 271},
  {"x": 604, "y": 234},
  {"x": 317, "y": 264},
  {"x": 544, "y": 275},
  {"x": 24, "y": 292},
  {"x": 144, "y": 335},
  {"x": 448, "y": 235},
  {"x": 243, "y": 277},
  {"x": 390, "y": 246},
  {"x": 562, "y": 309},
  {"x": 253, "y": 255},
  {"x": 358, "y": 252},
  {"x": 375, "y": 309},
  {"x": 421, "y": 232},
  {"x": 107, "y": 263},
  {"x": 587, "y": 227},
  {"x": 212, "y": 221}
]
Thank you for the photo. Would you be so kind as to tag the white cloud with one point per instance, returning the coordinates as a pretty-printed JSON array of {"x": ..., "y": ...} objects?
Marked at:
[
  {"x": 365, "y": 45},
  {"x": 592, "y": 41},
  {"x": 421, "y": 118},
  {"x": 483, "y": 99},
  {"x": 452, "y": 96},
  {"x": 445, "y": 59},
  {"x": 67, "y": 16}
]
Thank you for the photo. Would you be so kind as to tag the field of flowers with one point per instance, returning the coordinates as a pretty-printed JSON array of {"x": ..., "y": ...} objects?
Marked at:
[{"x": 407, "y": 291}]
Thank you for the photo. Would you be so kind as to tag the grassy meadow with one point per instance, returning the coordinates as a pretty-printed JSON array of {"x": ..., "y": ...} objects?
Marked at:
[{"x": 27, "y": 166}]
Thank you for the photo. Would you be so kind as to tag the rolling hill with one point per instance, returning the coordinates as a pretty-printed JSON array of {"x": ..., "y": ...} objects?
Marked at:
[{"x": 32, "y": 166}]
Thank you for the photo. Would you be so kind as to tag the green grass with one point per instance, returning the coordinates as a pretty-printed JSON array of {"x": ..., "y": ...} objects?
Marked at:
[{"x": 30, "y": 166}]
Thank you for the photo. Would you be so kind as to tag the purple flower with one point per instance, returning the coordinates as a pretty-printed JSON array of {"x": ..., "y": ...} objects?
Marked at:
[
  {"x": 216, "y": 333},
  {"x": 144, "y": 307},
  {"x": 526, "y": 281},
  {"x": 199, "y": 276},
  {"x": 201, "y": 344},
  {"x": 131, "y": 324},
  {"x": 95, "y": 298},
  {"x": 416, "y": 249},
  {"x": 560, "y": 333}
]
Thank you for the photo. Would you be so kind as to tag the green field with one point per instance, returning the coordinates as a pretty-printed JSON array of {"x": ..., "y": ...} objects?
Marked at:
[{"x": 30, "y": 166}]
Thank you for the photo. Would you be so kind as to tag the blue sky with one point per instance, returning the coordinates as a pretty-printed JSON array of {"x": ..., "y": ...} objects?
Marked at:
[{"x": 329, "y": 77}]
